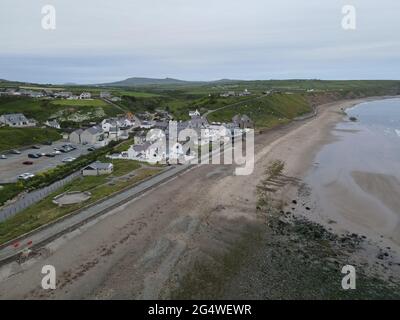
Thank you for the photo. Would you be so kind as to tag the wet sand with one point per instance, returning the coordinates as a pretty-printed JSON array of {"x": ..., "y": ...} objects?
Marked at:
[{"x": 355, "y": 183}]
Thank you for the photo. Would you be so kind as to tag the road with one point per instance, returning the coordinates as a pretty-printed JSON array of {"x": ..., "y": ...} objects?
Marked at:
[{"x": 12, "y": 167}]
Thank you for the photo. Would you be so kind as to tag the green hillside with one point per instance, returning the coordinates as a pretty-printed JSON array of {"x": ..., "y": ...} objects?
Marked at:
[
  {"x": 18, "y": 137},
  {"x": 266, "y": 111}
]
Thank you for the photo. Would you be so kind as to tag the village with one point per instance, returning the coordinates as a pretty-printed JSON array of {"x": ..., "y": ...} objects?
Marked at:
[{"x": 144, "y": 135}]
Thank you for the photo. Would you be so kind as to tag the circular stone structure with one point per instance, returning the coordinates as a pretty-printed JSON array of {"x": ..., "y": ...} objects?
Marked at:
[{"x": 69, "y": 198}]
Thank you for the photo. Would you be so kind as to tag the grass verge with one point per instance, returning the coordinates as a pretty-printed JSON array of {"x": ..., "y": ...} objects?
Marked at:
[{"x": 100, "y": 187}]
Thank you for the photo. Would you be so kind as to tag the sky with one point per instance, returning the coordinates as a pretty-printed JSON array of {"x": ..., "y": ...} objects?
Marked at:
[{"x": 98, "y": 41}]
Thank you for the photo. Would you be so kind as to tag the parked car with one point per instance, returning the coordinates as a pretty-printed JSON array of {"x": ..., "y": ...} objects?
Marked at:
[
  {"x": 69, "y": 159},
  {"x": 15, "y": 151},
  {"x": 33, "y": 156},
  {"x": 35, "y": 147},
  {"x": 56, "y": 152},
  {"x": 3, "y": 156},
  {"x": 48, "y": 143},
  {"x": 91, "y": 149},
  {"x": 67, "y": 148},
  {"x": 50, "y": 155},
  {"x": 25, "y": 176},
  {"x": 28, "y": 163}
]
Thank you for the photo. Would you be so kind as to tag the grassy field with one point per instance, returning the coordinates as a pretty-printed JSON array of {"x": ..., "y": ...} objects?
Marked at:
[
  {"x": 46, "y": 211},
  {"x": 11, "y": 138}
]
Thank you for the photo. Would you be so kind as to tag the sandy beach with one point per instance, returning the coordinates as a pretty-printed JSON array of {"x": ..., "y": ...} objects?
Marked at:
[
  {"x": 356, "y": 184},
  {"x": 149, "y": 247}
]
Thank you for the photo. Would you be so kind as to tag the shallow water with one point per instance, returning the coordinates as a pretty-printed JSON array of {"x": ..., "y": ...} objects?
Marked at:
[{"x": 355, "y": 180}]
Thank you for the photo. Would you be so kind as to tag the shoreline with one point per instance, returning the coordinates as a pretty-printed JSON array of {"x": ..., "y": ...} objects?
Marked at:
[
  {"x": 369, "y": 181},
  {"x": 291, "y": 256}
]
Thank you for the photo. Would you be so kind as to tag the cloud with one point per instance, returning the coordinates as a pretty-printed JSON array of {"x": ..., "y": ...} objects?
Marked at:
[{"x": 97, "y": 40}]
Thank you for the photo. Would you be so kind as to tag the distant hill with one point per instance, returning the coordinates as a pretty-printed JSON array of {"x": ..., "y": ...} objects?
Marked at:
[{"x": 135, "y": 81}]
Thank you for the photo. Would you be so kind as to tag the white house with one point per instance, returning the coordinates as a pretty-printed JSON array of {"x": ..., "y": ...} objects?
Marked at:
[
  {"x": 98, "y": 168},
  {"x": 117, "y": 128},
  {"x": 17, "y": 120},
  {"x": 121, "y": 122},
  {"x": 53, "y": 124},
  {"x": 85, "y": 95},
  {"x": 148, "y": 152},
  {"x": 195, "y": 113}
]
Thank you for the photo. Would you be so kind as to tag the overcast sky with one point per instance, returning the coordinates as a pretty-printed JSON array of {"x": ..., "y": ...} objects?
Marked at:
[{"x": 101, "y": 40}]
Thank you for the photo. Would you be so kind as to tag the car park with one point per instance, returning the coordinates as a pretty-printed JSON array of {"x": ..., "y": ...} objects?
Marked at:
[{"x": 11, "y": 167}]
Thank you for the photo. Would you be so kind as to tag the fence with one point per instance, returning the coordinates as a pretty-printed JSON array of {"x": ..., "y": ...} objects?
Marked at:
[{"x": 34, "y": 197}]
